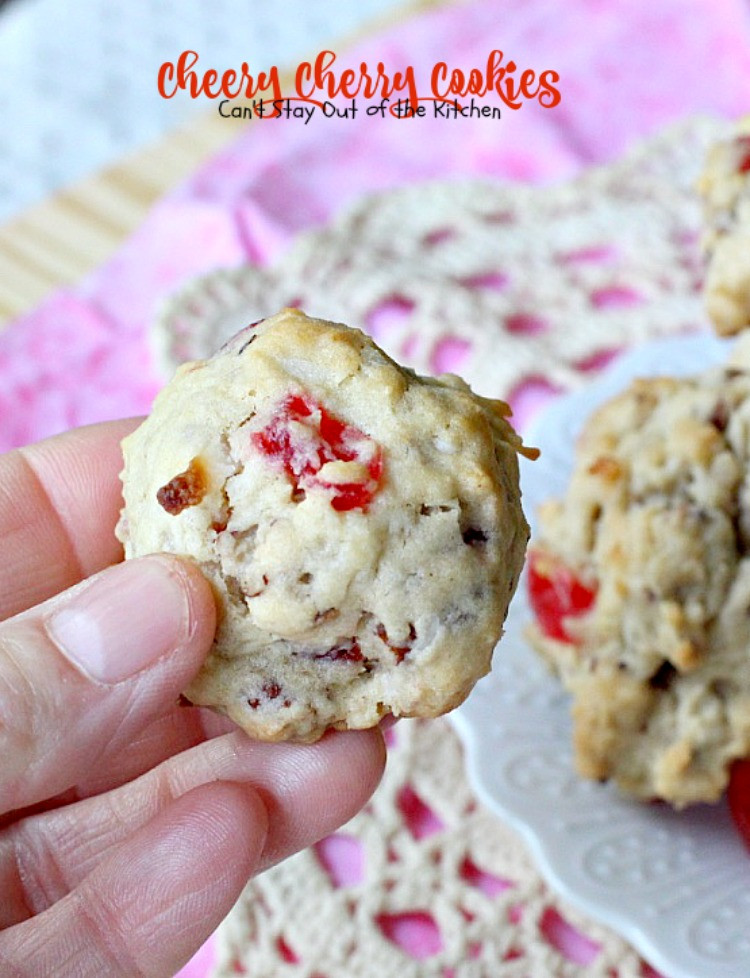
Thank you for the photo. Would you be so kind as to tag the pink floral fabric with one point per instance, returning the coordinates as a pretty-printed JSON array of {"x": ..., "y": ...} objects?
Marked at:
[{"x": 83, "y": 355}]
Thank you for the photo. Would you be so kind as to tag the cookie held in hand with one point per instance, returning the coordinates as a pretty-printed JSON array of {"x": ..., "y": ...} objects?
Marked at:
[{"x": 361, "y": 526}]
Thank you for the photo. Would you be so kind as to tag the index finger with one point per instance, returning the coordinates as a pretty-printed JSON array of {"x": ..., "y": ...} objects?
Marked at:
[{"x": 59, "y": 503}]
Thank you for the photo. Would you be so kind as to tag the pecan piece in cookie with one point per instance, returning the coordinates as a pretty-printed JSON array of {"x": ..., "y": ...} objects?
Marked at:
[{"x": 186, "y": 489}]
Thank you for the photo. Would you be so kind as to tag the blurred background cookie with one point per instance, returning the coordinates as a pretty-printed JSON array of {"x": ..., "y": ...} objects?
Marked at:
[
  {"x": 725, "y": 186},
  {"x": 640, "y": 582}
]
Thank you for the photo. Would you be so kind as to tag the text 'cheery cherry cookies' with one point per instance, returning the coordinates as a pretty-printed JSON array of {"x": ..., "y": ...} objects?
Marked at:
[{"x": 361, "y": 525}]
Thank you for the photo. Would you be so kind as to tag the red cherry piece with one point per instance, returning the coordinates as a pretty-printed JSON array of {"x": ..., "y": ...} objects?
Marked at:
[
  {"x": 269, "y": 691},
  {"x": 738, "y": 795},
  {"x": 743, "y": 144},
  {"x": 400, "y": 651},
  {"x": 350, "y": 652},
  {"x": 555, "y": 594},
  {"x": 303, "y": 437}
]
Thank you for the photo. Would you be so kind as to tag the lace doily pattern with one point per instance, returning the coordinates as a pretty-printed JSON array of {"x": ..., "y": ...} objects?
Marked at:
[
  {"x": 508, "y": 285},
  {"x": 424, "y": 883}
]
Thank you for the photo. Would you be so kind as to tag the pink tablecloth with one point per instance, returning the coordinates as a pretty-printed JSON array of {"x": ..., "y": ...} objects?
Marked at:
[{"x": 625, "y": 71}]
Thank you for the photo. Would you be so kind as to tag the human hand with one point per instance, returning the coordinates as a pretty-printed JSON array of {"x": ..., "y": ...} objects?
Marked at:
[{"x": 128, "y": 825}]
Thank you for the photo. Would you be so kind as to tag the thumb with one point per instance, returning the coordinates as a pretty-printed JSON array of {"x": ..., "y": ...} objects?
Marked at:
[{"x": 89, "y": 668}]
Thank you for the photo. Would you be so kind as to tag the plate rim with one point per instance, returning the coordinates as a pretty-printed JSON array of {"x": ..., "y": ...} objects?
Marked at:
[{"x": 680, "y": 355}]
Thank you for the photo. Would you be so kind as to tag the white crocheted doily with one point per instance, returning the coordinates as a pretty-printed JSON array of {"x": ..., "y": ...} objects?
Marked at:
[
  {"x": 432, "y": 860},
  {"x": 509, "y": 285},
  {"x": 499, "y": 282}
]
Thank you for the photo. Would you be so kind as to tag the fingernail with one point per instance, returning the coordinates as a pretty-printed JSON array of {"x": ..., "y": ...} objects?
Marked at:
[{"x": 123, "y": 620}]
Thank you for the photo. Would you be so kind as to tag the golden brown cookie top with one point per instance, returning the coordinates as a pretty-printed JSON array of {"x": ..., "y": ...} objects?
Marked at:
[{"x": 361, "y": 525}]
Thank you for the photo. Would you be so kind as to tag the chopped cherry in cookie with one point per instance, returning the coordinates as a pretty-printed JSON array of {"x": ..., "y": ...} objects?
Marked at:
[
  {"x": 308, "y": 442},
  {"x": 347, "y": 652},
  {"x": 186, "y": 489},
  {"x": 556, "y": 593},
  {"x": 400, "y": 651},
  {"x": 269, "y": 691},
  {"x": 738, "y": 795},
  {"x": 743, "y": 145}
]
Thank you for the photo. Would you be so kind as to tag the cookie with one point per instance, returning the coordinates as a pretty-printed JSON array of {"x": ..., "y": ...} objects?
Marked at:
[
  {"x": 640, "y": 583},
  {"x": 361, "y": 525},
  {"x": 725, "y": 187}
]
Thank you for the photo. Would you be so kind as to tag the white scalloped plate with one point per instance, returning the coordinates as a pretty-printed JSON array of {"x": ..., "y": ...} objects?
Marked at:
[{"x": 674, "y": 884}]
